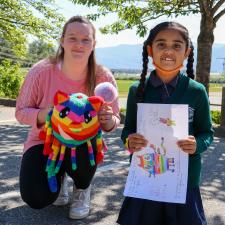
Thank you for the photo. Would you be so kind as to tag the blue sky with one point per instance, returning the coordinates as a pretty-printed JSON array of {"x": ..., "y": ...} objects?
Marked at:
[{"x": 129, "y": 36}]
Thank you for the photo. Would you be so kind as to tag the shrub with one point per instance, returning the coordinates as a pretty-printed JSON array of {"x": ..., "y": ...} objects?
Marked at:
[
  {"x": 216, "y": 116},
  {"x": 123, "y": 110},
  {"x": 10, "y": 79}
]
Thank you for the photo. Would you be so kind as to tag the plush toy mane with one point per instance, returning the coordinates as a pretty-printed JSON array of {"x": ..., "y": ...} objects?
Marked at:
[{"x": 72, "y": 122}]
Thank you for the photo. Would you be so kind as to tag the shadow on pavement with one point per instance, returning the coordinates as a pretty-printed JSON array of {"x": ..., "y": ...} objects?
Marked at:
[
  {"x": 108, "y": 184},
  {"x": 106, "y": 190},
  {"x": 213, "y": 180},
  {"x": 12, "y": 135},
  {"x": 213, "y": 171}
]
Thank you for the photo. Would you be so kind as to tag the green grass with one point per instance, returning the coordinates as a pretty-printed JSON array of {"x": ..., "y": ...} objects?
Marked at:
[
  {"x": 124, "y": 85},
  {"x": 216, "y": 87}
]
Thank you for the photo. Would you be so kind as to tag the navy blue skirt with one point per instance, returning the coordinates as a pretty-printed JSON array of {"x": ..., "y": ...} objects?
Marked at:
[{"x": 136, "y": 211}]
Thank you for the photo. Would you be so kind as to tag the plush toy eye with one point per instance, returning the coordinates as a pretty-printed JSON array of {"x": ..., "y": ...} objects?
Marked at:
[
  {"x": 64, "y": 112},
  {"x": 87, "y": 117}
]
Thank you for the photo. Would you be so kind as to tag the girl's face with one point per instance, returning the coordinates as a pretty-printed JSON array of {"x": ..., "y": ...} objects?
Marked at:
[
  {"x": 78, "y": 41},
  {"x": 169, "y": 49}
]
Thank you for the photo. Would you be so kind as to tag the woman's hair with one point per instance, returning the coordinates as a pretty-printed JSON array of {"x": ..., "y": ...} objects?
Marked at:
[
  {"x": 153, "y": 33},
  {"x": 91, "y": 77}
]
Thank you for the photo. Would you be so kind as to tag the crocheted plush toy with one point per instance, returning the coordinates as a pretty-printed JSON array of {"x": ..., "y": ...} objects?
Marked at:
[{"x": 72, "y": 122}]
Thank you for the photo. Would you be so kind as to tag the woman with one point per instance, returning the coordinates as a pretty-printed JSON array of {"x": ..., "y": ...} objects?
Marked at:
[{"x": 74, "y": 69}]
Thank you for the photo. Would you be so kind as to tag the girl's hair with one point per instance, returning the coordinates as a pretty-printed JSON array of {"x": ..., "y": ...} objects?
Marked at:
[
  {"x": 153, "y": 32},
  {"x": 91, "y": 77}
]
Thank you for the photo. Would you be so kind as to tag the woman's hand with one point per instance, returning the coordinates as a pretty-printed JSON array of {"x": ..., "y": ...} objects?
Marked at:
[
  {"x": 42, "y": 115},
  {"x": 106, "y": 118},
  {"x": 136, "y": 142},
  {"x": 188, "y": 145}
]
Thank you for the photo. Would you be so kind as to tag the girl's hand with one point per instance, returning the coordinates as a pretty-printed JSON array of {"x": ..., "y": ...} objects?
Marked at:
[
  {"x": 105, "y": 117},
  {"x": 42, "y": 115},
  {"x": 136, "y": 142},
  {"x": 188, "y": 145}
]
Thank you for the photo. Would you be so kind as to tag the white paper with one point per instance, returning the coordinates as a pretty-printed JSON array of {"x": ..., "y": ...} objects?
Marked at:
[{"x": 159, "y": 171}]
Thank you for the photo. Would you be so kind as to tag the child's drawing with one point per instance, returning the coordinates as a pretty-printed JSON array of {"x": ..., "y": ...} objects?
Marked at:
[
  {"x": 159, "y": 171},
  {"x": 156, "y": 164}
]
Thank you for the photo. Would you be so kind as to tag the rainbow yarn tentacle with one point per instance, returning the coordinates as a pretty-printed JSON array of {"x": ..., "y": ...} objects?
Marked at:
[
  {"x": 99, "y": 141},
  {"x": 73, "y": 158},
  {"x": 100, "y": 145},
  {"x": 91, "y": 154},
  {"x": 48, "y": 135},
  {"x": 72, "y": 122},
  {"x": 50, "y": 169},
  {"x": 61, "y": 157}
]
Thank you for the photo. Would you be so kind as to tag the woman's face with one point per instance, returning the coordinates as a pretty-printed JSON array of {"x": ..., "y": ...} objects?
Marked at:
[
  {"x": 78, "y": 41},
  {"x": 169, "y": 49}
]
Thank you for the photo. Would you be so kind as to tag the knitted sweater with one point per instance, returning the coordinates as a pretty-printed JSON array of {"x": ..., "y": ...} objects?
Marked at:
[
  {"x": 38, "y": 90},
  {"x": 187, "y": 92}
]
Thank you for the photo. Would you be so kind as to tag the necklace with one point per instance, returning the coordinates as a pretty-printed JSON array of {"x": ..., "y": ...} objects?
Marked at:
[
  {"x": 165, "y": 87},
  {"x": 167, "y": 92}
]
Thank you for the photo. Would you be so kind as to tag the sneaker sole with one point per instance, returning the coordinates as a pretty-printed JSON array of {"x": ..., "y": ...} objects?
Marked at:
[
  {"x": 61, "y": 203},
  {"x": 78, "y": 217}
]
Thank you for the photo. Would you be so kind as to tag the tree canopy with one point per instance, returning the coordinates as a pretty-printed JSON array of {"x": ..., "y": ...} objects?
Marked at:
[
  {"x": 20, "y": 18},
  {"x": 133, "y": 13},
  {"x": 39, "y": 49}
]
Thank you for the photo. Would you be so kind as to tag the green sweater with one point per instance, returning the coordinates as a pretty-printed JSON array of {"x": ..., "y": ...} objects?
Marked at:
[{"x": 187, "y": 92}]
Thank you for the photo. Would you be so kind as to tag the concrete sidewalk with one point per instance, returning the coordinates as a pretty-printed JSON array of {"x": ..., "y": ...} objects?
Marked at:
[{"x": 108, "y": 183}]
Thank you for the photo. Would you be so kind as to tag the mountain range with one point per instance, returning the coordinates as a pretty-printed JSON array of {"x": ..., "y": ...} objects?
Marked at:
[{"x": 129, "y": 57}]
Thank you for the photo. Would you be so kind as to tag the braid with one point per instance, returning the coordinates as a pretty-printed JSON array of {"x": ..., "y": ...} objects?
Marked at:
[
  {"x": 141, "y": 86},
  {"x": 190, "y": 60},
  {"x": 153, "y": 33}
]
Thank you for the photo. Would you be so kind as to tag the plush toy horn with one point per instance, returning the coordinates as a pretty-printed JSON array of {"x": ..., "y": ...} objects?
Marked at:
[
  {"x": 96, "y": 102},
  {"x": 60, "y": 97}
]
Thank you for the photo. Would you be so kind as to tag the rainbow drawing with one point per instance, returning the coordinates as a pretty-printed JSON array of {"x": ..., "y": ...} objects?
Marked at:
[{"x": 156, "y": 164}]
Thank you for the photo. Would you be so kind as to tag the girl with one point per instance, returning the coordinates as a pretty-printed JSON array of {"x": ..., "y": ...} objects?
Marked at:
[
  {"x": 74, "y": 69},
  {"x": 168, "y": 44}
]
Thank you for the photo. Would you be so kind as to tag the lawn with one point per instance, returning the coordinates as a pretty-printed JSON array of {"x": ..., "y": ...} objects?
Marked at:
[{"x": 124, "y": 85}]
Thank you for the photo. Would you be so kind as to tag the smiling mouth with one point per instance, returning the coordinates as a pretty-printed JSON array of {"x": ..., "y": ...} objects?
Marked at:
[
  {"x": 63, "y": 134},
  {"x": 74, "y": 51},
  {"x": 168, "y": 59}
]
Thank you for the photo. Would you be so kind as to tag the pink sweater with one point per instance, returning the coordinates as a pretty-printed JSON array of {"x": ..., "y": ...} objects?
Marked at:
[{"x": 38, "y": 90}]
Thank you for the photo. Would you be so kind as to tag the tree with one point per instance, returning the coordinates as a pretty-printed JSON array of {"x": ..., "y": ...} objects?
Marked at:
[
  {"x": 39, "y": 49},
  {"x": 20, "y": 18},
  {"x": 136, "y": 13},
  {"x": 7, "y": 53}
]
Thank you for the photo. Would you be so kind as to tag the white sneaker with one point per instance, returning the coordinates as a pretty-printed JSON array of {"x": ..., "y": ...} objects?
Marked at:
[
  {"x": 80, "y": 204},
  {"x": 63, "y": 198}
]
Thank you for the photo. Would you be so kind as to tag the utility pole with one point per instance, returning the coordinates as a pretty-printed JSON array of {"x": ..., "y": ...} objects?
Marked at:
[{"x": 222, "y": 123}]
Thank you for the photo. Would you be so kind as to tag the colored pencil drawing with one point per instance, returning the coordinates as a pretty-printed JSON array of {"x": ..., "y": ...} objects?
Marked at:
[
  {"x": 167, "y": 121},
  {"x": 156, "y": 163}
]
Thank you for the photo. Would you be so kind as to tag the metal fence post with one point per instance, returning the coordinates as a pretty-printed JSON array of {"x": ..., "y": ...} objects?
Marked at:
[{"x": 222, "y": 123}]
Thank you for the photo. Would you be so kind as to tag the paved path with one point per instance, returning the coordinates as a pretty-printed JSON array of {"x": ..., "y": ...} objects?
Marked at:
[{"x": 108, "y": 183}]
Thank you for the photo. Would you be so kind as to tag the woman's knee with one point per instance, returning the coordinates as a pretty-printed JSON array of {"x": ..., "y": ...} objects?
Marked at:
[
  {"x": 36, "y": 198},
  {"x": 32, "y": 201},
  {"x": 33, "y": 179}
]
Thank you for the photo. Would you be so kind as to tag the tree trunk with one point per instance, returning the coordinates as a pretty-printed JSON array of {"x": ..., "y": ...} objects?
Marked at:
[{"x": 204, "y": 51}]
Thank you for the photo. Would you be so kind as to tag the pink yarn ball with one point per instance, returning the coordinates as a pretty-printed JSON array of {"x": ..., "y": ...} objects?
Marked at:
[{"x": 107, "y": 91}]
